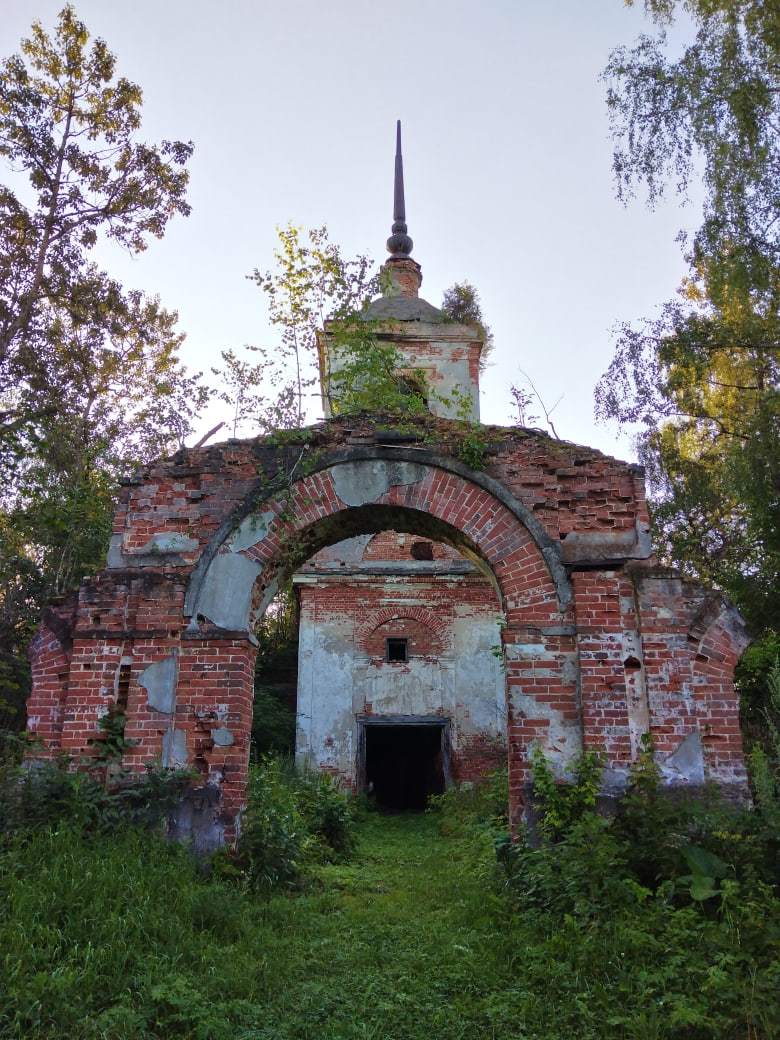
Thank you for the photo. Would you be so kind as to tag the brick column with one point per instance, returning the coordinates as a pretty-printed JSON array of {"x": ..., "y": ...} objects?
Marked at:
[
  {"x": 543, "y": 709},
  {"x": 214, "y": 712},
  {"x": 50, "y": 653},
  {"x": 600, "y": 643}
]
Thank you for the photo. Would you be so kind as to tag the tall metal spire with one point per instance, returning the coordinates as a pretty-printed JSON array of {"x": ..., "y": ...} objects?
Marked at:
[
  {"x": 399, "y": 207},
  {"x": 399, "y": 245}
]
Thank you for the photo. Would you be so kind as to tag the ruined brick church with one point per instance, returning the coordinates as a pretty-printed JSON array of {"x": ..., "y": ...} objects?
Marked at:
[{"x": 451, "y": 616}]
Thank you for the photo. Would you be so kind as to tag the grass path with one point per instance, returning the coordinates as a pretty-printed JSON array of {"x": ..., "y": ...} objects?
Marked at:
[
  {"x": 399, "y": 944},
  {"x": 120, "y": 937}
]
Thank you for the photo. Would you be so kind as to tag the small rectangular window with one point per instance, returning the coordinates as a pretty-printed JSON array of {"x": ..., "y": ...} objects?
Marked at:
[
  {"x": 422, "y": 551},
  {"x": 398, "y": 650}
]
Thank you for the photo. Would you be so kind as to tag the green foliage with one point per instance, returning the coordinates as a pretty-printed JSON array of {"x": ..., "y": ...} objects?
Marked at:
[
  {"x": 241, "y": 382},
  {"x": 753, "y": 683},
  {"x": 472, "y": 448},
  {"x": 703, "y": 382},
  {"x": 461, "y": 304},
  {"x": 273, "y": 720},
  {"x": 712, "y": 109},
  {"x": 463, "y": 805},
  {"x": 703, "y": 379},
  {"x": 124, "y": 938},
  {"x": 104, "y": 800},
  {"x": 312, "y": 291},
  {"x": 274, "y": 841},
  {"x": 273, "y": 723},
  {"x": 110, "y": 746},
  {"x": 90, "y": 380},
  {"x": 368, "y": 375},
  {"x": 582, "y": 875},
  {"x": 562, "y": 803},
  {"x": 327, "y": 813},
  {"x": 293, "y": 820},
  {"x": 118, "y": 936},
  {"x": 765, "y": 755},
  {"x": 657, "y": 846},
  {"x": 70, "y": 124},
  {"x": 311, "y": 283}
]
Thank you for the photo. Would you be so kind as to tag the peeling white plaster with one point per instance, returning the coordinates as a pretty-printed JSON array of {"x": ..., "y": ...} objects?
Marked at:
[
  {"x": 337, "y": 682},
  {"x": 564, "y": 738},
  {"x": 226, "y": 594},
  {"x": 251, "y": 530},
  {"x": 358, "y": 483}
]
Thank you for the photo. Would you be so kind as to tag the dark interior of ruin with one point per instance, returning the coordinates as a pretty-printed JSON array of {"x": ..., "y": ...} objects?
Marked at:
[{"x": 404, "y": 765}]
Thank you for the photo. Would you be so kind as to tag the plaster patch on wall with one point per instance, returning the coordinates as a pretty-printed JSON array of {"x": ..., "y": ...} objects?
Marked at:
[
  {"x": 523, "y": 651},
  {"x": 357, "y": 483},
  {"x": 222, "y": 737},
  {"x": 348, "y": 551},
  {"x": 451, "y": 380},
  {"x": 413, "y": 689},
  {"x": 197, "y": 819},
  {"x": 174, "y": 749},
  {"x": 226, "y": 595},
  {"x": 168, "y": 542},
  {"x": 637, "y": 702},
  {"x": 600, "y": 545},
  {"x": 336, "y": 682},
  {"x": 564, "y": 739},
  {"x": 326, "y": 678},
  {"x": 685, "y": 765},
  {"x": 159, "y": 681},
  {"x": 115, "y": 557},
  {"x": 251, "y": 530},
  {"x": 477, "y": 674}
]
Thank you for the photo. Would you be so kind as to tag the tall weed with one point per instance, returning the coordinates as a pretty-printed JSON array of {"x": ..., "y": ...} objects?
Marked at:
[
  {"x": 293, "y": 820},
  {"x": 36, "y": 795}
]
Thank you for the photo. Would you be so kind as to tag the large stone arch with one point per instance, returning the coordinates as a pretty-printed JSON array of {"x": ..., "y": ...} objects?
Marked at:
[
  {"x": 260, "y": 508},
  {"x": 259, "y": 546}
]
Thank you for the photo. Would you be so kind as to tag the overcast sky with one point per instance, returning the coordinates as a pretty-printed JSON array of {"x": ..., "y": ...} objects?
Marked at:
[{"x": 292, "y": 109}]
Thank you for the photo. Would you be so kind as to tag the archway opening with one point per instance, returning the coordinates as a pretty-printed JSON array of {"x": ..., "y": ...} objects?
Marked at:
[
  {"x": 250, "y": 559},
  {"x": 390, "y": 623}
]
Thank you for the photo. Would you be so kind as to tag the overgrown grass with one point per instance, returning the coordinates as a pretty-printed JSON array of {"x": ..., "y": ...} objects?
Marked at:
[
  {"x": 594, "y": 931},
  {"x": 294, "y": 820},
  {"x": 122, "y": 937},
  {"x": 661, "y": 920}
]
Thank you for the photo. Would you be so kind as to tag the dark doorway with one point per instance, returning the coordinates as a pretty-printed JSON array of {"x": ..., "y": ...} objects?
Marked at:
[{"x": 404, "y": 764}]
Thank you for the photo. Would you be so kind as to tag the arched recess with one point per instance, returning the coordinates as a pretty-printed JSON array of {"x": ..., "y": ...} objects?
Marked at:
[
  {"x": 270, "y": 537},
  {"x": 437, "y": 627},
  {"x": 722, "y": 639}
]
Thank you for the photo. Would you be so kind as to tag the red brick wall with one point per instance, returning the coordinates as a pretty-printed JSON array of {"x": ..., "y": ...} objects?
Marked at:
[
  {"x": 50, "y": 654},
  {"x": 575, "y": 670},
  {"x": 390, "y": 545}
]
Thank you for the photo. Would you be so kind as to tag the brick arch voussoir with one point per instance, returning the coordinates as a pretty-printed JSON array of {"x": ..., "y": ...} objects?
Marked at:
[
  {"x": 500, "y": 537},
  {"x": 722, "y": 639},
  {"x": 527, "y": 579},
  {"x": 503, "y": 529},
  {"x": 401, "y": 613}
]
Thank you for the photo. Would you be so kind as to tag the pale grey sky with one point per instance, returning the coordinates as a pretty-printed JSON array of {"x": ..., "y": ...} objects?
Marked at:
[{"x": 292, "y": 109}]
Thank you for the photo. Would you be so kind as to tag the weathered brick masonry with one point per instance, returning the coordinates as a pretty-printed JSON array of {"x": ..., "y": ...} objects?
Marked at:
[{"x": 601, "y": 646}]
